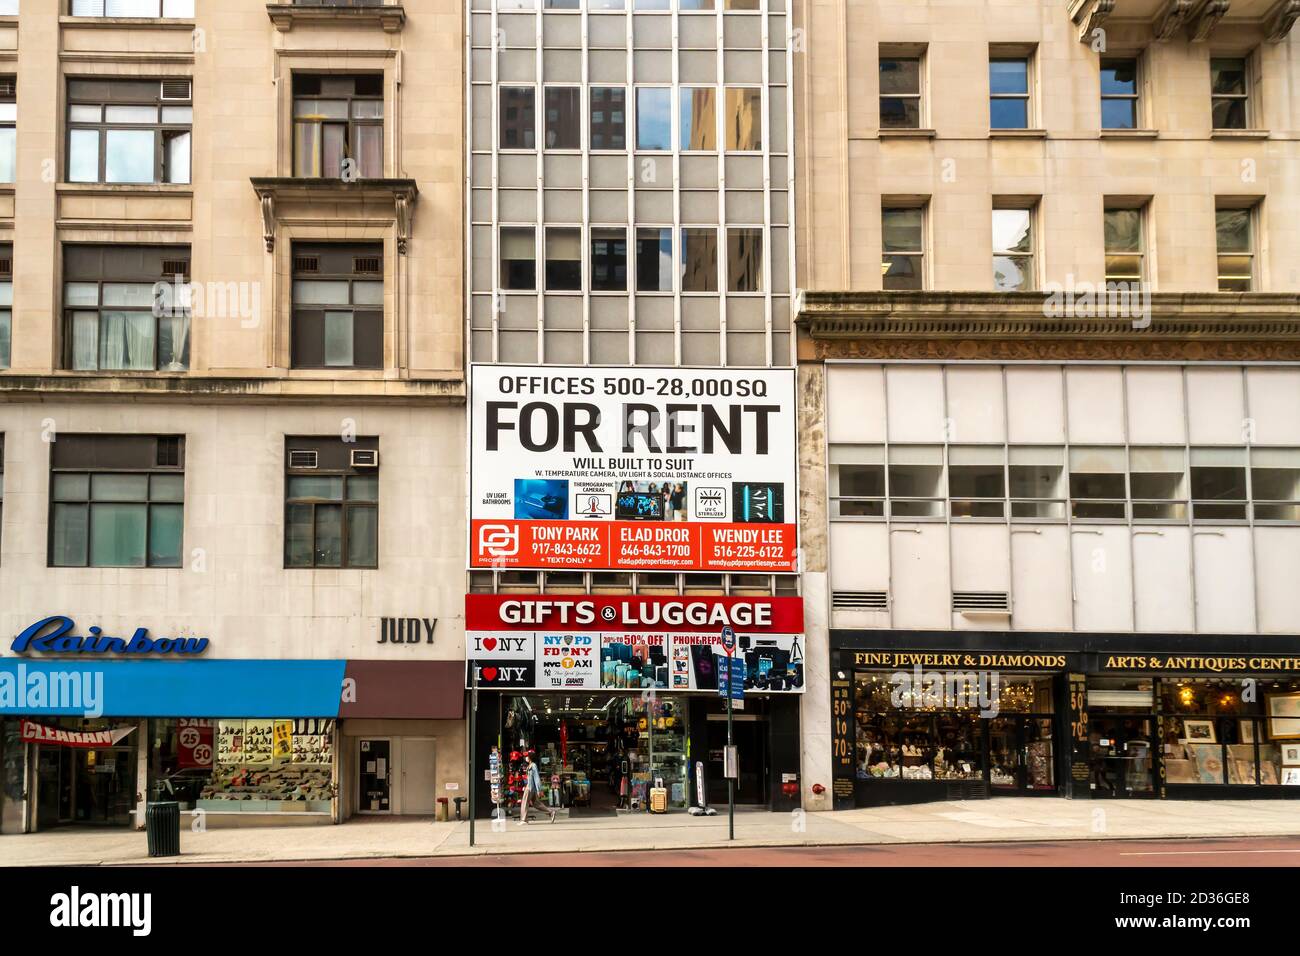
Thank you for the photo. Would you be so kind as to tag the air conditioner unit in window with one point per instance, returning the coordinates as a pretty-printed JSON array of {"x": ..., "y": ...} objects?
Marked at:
[
  {"x": 302, "y": 459},
  {"x": 365, "y": 458}
]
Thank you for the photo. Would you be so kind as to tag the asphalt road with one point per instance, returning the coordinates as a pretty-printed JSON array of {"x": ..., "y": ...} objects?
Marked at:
[{"x": 1252, "y": 852}]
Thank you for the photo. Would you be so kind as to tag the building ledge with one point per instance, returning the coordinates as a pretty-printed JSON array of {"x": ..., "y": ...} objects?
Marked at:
[
  {"x": 1239, "y": 134},
  {"x": 129, "y": 23},
  {"x": 894, "y": 133},
  {"x": 439, "y": 388},
  {"x": 1130, "y": 134},
  {"x": 286, "y": 16},
  {"x": 1017, "y": 134},
  {"x": 124, "y": 189},
  {"x": 401, "y": 193}
]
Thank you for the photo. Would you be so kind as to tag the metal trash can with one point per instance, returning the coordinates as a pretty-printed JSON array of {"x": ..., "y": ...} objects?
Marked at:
[{"x": 162, "y": 824}]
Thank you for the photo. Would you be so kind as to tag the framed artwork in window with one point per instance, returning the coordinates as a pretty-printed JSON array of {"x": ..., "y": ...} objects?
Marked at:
[
  {"x": 1199, "y": 732},
  {"x": 1247, "y": 731},
  {"x": 1291, "y": 755},
  {"x": 1284, "y": 716}
]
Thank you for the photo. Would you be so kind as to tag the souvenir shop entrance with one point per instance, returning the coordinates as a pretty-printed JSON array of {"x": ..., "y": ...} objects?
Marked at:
[{"x": 597, "y": 753}]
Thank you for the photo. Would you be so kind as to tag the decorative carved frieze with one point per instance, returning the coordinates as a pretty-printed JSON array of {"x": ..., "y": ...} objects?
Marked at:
[
  {"x": 1207, "y": 18},
  {"x": 343, "y": 199},
  {"x": 1284, "y": 15},
  {"x": 1173, "y": 18}
]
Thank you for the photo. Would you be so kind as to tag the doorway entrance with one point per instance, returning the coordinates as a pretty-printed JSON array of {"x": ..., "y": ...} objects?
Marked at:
[
  {"x": 749, "y": 733},
  {"x": 1021, "y": 759},
  {"x": 86, "y": 787},
  {"x": 1120, "y": 759},
  {"x": 374, "y": 759}
]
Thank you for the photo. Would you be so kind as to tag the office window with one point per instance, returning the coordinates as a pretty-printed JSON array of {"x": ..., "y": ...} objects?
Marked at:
[
  {"x": 338, "y": 125},
  {"x": 916, "y": 481},
  {"x": 563, "y": 259},
  {"x": 1275, "y": 483},
  {"x": 700, "y": 260},
  {"x": 1119, "y": 93},
  {"x": 744, "y": 119},
  {"x": 1158, "y": 484},
  {"x": 8, "y": 128},
  {"x": 744, "y": 260},
  {"x": 900, "y": 92},
  {"x": 654, "y": 260},
  {"x": 338, "y": 305},
  {"x": 518, "y": 124},
  {"x": 1233, "y": 234},
  {"x": 519, "y": 259},
  {"x": 331, "y": 503},
  {"x": 116, "y": 501},
  {"x": 1229, "y": 92},
  {"x": 1123, "y": 244},
  {"x": 608, "y": 105},
  {"x": 563, "y": 117},
  {"x": 697, "y": 119},
  {"x": 609, "y": 260},
  {"x": 6, "y": 303},
  {"x": 857, "y": 481},
  {"x": 1013, "y": 250},
  {"x": 1009, "y": 93},
  {"x": 8, "y": 8},
  {"x": 129, "y": 131},
  {"x": 126, "y": 308},
  {"x": 976, "y": 481},
  {"x": 654, "y": 111},
  {"x": 179, "y": 9},
  {"x": 1098, "y": 487},
  {"x": 902, "y": 238},
  {"x": 1036, "y": 476},
  {"x": 1218, "y": 484}
]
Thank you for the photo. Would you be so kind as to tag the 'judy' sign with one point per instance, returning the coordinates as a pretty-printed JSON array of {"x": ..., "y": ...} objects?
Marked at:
[{"x": 54, "y": 635}]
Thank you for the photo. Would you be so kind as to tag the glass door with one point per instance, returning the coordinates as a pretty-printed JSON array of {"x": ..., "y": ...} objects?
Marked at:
[
  {"x": 374, "y": 777},
  {"x": 1021, "y": 756},
  {"x": 1121, "y": 762}
]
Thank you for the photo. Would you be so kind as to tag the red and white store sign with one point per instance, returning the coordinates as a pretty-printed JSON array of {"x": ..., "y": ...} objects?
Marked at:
[
  {"x": 591, "y": 642},
  {"x": 34, "y": 733},
  {"x": 195, "y": 743},
  {"x": 653, "y": 469}
]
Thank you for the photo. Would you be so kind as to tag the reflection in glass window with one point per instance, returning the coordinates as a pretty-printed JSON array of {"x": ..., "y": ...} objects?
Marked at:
[
  {"x": 609, "y": 260},
  {"x": 563, "y": 117},
  {"x": 1236, "y": 251},
  {"x": 1119, "y": 93},
  {"x": 902, "y": 238},
  {"x": 608, "y": 105},
  {"x": 8, "y": 128},
  {"x": 1008, "y": 93},
  {"x": 698, "y": 119},
  {"x": 700, "y": 260},
  {"x": 1013, "y": 246},
  {"x": 654, "y": 118},
  {"x": 518, "y": 124},
  {"x": 654, "y": 260},
  {"x": 900, "y": 92},
  {"x": 1123, "y": 244},
  {"x": 518, "y": 258},
  {"x": 1229, "y": 99},
  {"x": 1097, "y": 483},
  {"x": 744, "y": 118},
  {"x": 1218, "y": 484},
  {"x": 1275, "y": 483},
  {"x": 563, "y": 259},
  {"x": 744, "y": 260}
]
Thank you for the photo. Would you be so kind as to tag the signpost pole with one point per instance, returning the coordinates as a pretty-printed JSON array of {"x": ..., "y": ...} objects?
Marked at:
[
  {"x": 473, "y": 783},
  {"x": 731, "y": 778}
]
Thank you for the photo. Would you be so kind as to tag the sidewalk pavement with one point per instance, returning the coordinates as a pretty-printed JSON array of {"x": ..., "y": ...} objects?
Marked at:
[{"x": 1005, "y": 819}]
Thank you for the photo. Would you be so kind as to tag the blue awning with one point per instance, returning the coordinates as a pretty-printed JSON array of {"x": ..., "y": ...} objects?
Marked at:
[{"x": 187, "y": 688}]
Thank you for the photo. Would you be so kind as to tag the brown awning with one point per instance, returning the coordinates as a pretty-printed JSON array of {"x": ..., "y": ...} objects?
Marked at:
[{"x": 428, "y": 690}]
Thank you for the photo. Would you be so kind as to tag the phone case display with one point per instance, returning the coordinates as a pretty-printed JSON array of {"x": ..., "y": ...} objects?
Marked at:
[
  {"x": 664, "y": 722},
  {"x": 272, "y": 765}
]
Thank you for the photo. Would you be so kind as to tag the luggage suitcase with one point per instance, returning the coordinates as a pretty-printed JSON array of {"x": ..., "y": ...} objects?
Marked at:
[{"x": 658, "y": 799}]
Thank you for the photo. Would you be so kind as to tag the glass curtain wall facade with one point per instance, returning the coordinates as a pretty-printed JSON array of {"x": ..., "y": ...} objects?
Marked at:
[{"x": 630, "y": 178}]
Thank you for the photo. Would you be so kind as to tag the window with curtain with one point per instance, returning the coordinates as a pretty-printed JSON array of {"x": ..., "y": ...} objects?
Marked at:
[
  {"x": 331, "y": 506},
  {"x": 338, "y": 125},
  {"x": 1122, "y": 228},
  {"x": 126, "y": 308},
  {"x": 338, "y": 305},
  {"x": 117, "y": 501},
  {"x": 903, "y": 242},
  {"x": 129, "y": 131},
  {"x": 1236, "y": 249}
]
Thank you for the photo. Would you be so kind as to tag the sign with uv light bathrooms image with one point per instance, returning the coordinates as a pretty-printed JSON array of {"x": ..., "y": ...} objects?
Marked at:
[{"x": 654, "y": 469}]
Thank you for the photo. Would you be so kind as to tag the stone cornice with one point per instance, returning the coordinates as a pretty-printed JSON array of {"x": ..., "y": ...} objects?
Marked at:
[
  {"x": 213, "y": 389},
  {"x": 400, "y": 193},
  {"x": 969, "y": 325},
  {"x": 285, "y": 16}
]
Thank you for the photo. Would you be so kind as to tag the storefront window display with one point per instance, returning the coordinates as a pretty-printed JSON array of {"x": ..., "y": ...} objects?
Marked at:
[
  {"x": 597, "y": 753},
  {"x": 905, "y": 734},
  {"x": 248, "y": 766},
  {"x": 1222, "y": 730}
]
